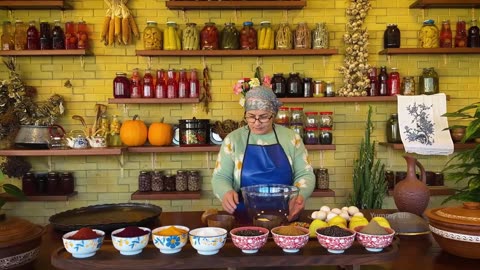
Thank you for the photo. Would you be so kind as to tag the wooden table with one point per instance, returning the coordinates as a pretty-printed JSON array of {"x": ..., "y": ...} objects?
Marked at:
[{"x": 414, "y": 252}]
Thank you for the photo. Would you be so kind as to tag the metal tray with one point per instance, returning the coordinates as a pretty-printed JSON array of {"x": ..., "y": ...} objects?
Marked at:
[{"x": 106, "y": 217}]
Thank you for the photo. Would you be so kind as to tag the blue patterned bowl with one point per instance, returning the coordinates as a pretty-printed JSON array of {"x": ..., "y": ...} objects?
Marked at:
[
  {"x": 169, "y": 244},
  {"x": 208, "y": 240},
  {"x": 83, "y": 248},
  {"x": 130, "y": 245}
]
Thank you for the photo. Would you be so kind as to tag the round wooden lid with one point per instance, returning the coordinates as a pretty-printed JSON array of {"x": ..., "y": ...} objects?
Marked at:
[
  {"x": 14, "y": 230},
  {"x": 466, "y": 214}
]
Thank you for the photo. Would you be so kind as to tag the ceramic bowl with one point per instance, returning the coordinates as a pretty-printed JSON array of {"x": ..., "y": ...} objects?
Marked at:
[
  {"x": 290, "y": 243},
  {"x": 249, "y": 244},
  {"x": 374, "y": 243},
  {"x": 336, "y": 244},
  {"x": 268, "y": 221},
  {"x": 208, "y": 240},
  {"x": 130, "y": 245},
  {"x": 221, "y": 221},
  {"x": 169, "y": 244},
  {"x": 83, "y": 248}
]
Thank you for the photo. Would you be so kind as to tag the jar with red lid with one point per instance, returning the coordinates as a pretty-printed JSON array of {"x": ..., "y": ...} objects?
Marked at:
[
  {"x": 160, "y": 84},
  {"x": 82, "y": 35},
  {"x": 298, "y": 128},
  {"x": 209, "y": 37},
  {"x": 147, "y": 85},
  {"x": 194, "y": 84},
  {"x": 326, "y": 119},
  {"x": 296, "y": 115},
  {"x": 325, "y": 136},
  {"x": 135, "y": 84},
  {"x": 71, "y": 41},
  {"x": 248, "y": 37},
  {"x": 121, "y": 86},
  {"x": 311, "y": 119},
  {"x": 283, "y": 116},
  {"x": 393, "y": 82},
  {"x": 33, "y": 37},
  {"x": 310, "y": 136},
  {"x": 172, "y": 85},
  {"x": 183, "y": 86}
]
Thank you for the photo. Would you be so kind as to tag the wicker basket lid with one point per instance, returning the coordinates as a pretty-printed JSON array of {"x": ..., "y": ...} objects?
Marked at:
[
  {"x": 466, "y": 214},
  {"x": 14, "y": 230}
]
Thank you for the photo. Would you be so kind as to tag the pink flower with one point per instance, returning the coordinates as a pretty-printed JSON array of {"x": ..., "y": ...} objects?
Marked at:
[
  {"x": 237, "y": 88},
  {"x": 267, "y": 81}
]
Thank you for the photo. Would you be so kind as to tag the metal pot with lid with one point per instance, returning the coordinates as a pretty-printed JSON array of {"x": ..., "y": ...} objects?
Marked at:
[
  {"x": 35, "y": 136},
  {"x": 194, "y": 132}
]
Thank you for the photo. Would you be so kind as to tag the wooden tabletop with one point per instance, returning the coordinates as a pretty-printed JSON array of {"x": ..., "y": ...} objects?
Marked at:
[{"x": 414, "y": 252}]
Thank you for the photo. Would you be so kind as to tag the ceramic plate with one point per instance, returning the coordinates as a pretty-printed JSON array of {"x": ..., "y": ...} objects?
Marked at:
[
  {"x": 176, "y": 136},
  {"x": 215, "y": 138}
]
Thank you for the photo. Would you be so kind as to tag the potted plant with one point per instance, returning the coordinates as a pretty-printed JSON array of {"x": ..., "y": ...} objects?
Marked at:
[
  {"x": 11, "y": 190},
  {"x": 464, "y": 167}
]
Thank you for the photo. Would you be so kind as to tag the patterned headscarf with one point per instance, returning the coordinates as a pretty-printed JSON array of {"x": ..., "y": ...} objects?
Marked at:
[{"x": 261, "y": 98}]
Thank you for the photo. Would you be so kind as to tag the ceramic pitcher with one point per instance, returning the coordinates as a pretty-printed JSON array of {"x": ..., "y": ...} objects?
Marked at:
[{"x": 410, "y": 194}]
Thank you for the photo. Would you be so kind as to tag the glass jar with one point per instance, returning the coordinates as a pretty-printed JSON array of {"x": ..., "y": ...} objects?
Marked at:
[
  {"x": 171, "y": 39},
  {"x": 209, "y": 37},
  {"x": 326, "y": 119},
  {"x": 121, "y": 86},
  {"x": 279, "y": 85},
  {"x": 320, "y": 38},
  {"x": 383, "y": 81},
  {"x": 325, "y": 136},
  {"x": 393, "y": 82},
  {"x": 294, "y": 85},
  {"x": 41, "y": 183},
  {"x": 172, "y": 84},
  {"x": 439, "y": 179},
  {"x": 67, "y": 182},
  {"x": 194, "y": 88},
  {"x": 152, "y": 36},
  {"x": 58, "y": 37},
  {"x": 157, "y": 181},
  {"x": 446, "y": 35},
  {"x": 20, "y": 36},
  {"x": 429, "y": 36},
  {"x": 191, "y": 37},
  {"x": 135, "y": 84},
  {"x": 303, "y": 38},
  {"x": 310, "y": 136},
  {"x": 307, "y": 87},
  {"x": 297, "y": 128},
  {"x": 322, "y": 178},
  {"x": 318, "y": 88},
  {"x": 393, "y": 129},
  {"x": 181, "y": 180},
  {"x": 408, "y": 86},
  {"x": 144, "y": 181},
  {"x": 52, "y": 183},
  {"x": 372, "y": 75},
  {"x": 296, "y": 115},
  {"x": 311, "y": 119},
  {"x": 229, "y": 37},
  {"x": 70, "y": 36},
  {"x": 147, "y": 85},
  {"x": 265, "y": 37},
  {"x": 45, "y": 38},
  {"x": 182, "y": 84},
  {"x": 248, "y": 37},
  {"x": 428, "y": 83},
  {"x": 194, "y": 181},
  {"x": 461, "y": 37},
  {"x": 82, "y": 35},
  {"x": 161, "y": 84},
  {"x": 29, "y": 184},
  {"x": 473, "y": 40},
  {"x": 283, "y": 38},
  {"x": 329, "y": 89},
  {"x": 283, "y": 116},
  {"x": 33, "y": 37},
  {"x": 7, "y": 37},
  {"x": 169, "y": 183},
  {"x": 391, "y": 36},
  {"x": 114, "y": 135},
  {"x": 390, "y": 179}
]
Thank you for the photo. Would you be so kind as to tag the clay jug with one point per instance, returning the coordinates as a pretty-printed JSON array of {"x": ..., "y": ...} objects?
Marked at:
[{"x": 410, "y": 194}]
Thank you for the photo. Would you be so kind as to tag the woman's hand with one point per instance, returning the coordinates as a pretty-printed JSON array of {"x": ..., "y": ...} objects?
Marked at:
[
  {"x": 295, "y": 207},
  {"x": 230, "y": 201}
]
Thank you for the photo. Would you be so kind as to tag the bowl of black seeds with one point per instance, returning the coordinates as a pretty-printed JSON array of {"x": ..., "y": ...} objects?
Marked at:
[
  {"x": 335, "y": 239},
  {"x": 250, "y": 238}
]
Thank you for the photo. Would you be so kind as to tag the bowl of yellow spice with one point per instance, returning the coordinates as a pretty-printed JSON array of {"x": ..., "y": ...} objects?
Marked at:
[
  {"x": 374, "y": 237},
  {"x": 170, "y": 239}
]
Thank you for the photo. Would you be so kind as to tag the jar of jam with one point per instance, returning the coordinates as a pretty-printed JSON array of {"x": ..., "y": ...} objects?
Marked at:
[
  {"x": 71, "y": 40},
  {"x": 298, "y": 128},
  {"x": 461, "y": 37},
  {"x": 294, "y": 85},
  {"x": 320, "y": 39},
  {"x": 29, "y": 184},
  {"x": 393, "y": 129},
  {"x": 372, "y": 76},
  {"x": 161, "y": 84},
  {"x": 152, "y": 37},
  {"x": 67, "y": 182},
  {"x": 326, "y": 119},
  {"x": 319, "y": 88},
  {"x": 121, "y": 86},
  {"x": 169, "y": 183},
  {"x": 279, "y": 85},
  {"x": 144, "y": 181},
  {"x": 248, "y": 37},
  {"x": 311, "y": 119},
  {"x": 428, "y": 84},
  {"x": 325, "y": 136},
  {"x": 230, "y": 37},
  {"x": 58, "y": 37},
  {"x": 307, "y": 87},
  {"x": 82, "y": 35},
  {"x": 135, "y": 84},
  {"x": 158, "y": 179},
  {"x": 266, "y": 36},
  {"x": 391, "y": 36},
  {"x": 283, "y": 39},
  {"x": 20, "y": 36},
  {"x": 33, "y": 37},
  {"x": 393, "y": 82},
  {"x": 310, "y": 136},
  {"x": 191, "y": 37},
  {"x": 45, "y": 38},
  {"x": 473, "y": 38},
  {"x": 181, "y": 180},
  {"x": 446, "y": 35},
  {"x": 183, "y": 84},
  {"x": 322, "y": 178},
  {"x": 303, "y": 38},
  {"x": 171, "y": 39},
  {"x": 296, "y": 115},
  {"x": 172, "y": 84},
  {"x": 383, "y": 81},
  {"x": 283, "y": 116},
  {"x": 41, "y": 183},
  {"x": 147, "y": 85},
  {"x": 209, "y": 37},
  {"x": 7, "y": 37},
  {"x": 329, "y": 89},
  {"x": 194, "y": 181},
  {"x": 408, "y": 86},
  {"x": 52, "y": 183},
  {"x": 429, "y": 35}
]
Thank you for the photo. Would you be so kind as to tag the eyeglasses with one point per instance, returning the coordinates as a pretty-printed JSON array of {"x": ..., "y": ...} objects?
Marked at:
[{"x": 251, "y": 119}]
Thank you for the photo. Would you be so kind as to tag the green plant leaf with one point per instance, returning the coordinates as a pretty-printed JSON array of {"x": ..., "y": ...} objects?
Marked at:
[{"x": 14, "y": 191}]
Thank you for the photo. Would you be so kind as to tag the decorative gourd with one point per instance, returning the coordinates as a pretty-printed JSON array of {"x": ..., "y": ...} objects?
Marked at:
[
  {"x": 160, "y": 134},
  {"x": 133, "y": 132}
]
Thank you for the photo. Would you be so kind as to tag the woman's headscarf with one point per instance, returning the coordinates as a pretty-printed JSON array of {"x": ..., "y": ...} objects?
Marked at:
[{"x": 261, "y": 98}]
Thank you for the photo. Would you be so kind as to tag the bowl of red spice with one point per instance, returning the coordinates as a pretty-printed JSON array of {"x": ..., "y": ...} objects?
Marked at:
[
  {"x": 130, "y": 240},
  {"x": 170, "y": 239},
  {"x": 84, "y": 242}
]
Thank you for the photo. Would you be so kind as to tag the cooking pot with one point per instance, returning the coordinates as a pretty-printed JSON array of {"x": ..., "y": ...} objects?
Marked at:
[{"x": 194, "y": 132}]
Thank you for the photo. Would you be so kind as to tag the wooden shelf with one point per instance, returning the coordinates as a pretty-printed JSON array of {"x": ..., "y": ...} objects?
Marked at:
[
  {"x": 392, "y": 51},
  {"x": 39, "y": 198},
  {"x": 177, "y": 53},
  {"x": 320, "y": 147},
  {"x": 434, "y": 191},
  {"x": 77, "y": 52},
  {"x": 110, "y": 151},
  {"x": 338, "y": 99},
  {"x": 175, "y": 195},
  {"x": 323, "y": 193},
  {"x": 456, "y": 146},
  {"x": 32, "y": 4},
  {"x": 445, "y": 4},
  {"x": 152, "y": 100},
  {"x": 209, "y": 148},
  {"x": 236, "y": 4}
]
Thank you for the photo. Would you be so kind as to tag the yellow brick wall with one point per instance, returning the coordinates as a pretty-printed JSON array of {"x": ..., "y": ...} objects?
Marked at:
[{"x": 100, "y": 179}]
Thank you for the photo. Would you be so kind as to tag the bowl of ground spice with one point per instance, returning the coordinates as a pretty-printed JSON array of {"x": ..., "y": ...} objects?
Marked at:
[
  {"x": 170, "y": 239},
  {"x": 374, "y": 237},
  {"x": 83, "y": 243},
  {"x": 130, "y": 240},
  {"x": 250, "y": 238},
  {"x": 335, "y": 239},
  {"x": 290, "y": 238},
  {"x": 208, "y": 240}
]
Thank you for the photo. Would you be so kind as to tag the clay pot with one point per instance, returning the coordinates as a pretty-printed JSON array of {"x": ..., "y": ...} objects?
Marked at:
[
  {"x": 410, "y": 194},
  {"x": 457, "y": 229},
  {"x": 19, "y": 242},
  {"x": 457, "y": 134}
]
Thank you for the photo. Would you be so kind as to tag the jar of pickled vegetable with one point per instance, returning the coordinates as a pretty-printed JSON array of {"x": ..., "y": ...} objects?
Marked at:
[
  {"x": 302, "y": 39},
  {"x": 266, "y": 36},
  {"x": 446, "y": 35},
  {"x": 191, "y": 37},
  {"x": 429, "y": 35},
  {"x": 283, "y": 116},
  {"x": 296, "y": 115},
  {"x": 152, "y": 37},
  {"x": 311, "y": 119},
  {"x": 33, "y": 37},
  {"x": 230, "y": 37},
  {"x": 45, "y": 39},
  {"x": 209, "y": 37},
  {"x": 279, "y": 85},
  {"x": 171, "y": 39},
  {"x": 294, "y": 85},
  {"x": 408, "y": 86},
  {"x": 283, "y": 38},
  {"x": 320, "y": 36},
  {"x": 428, "y": 84},
  {"x": 20, "y": 35},
  {"x": 248, "y": 37},
  {"x": 71, "y": 41},
  {"x": 7, "y": 37},
  {"x": 82, "y": 35},
  {"x": 58, "y": 37},
  {"x": 310, "y": 136}
]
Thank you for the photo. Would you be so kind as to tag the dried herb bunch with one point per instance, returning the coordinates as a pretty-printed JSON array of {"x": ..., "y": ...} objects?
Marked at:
[
  {"x": 15, "y": 167},
  {"x": 17, "y": 106},
  {"x": 355, "y": 67}
]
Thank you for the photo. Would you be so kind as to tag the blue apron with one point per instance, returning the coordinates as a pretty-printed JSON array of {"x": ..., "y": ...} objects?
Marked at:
[{"x": 263, "y": 164}]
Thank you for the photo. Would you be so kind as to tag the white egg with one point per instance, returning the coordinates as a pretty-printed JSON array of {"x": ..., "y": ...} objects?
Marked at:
[
  {"x": 325, "y": 209},
  {"x": 314, "y": 214},
  {"x": 345, "y": 215},
  {"x": 359, "y": 214},
  {"x": 321, "y": 215},
  {"x": 336, "y": 211},
  {"x": 345, "y": 209},
  {"x": 352, "y": 210},
  {"x": 330, "y": 215}
]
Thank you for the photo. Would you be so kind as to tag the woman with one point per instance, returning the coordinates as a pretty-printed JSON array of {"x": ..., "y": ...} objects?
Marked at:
[{"x": 262, "y": 153}]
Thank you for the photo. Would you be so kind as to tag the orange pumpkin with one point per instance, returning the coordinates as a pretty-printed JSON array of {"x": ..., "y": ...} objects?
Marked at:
[
  {"x": 133, "y": 132},
  {"x": 160, "y": 134}
]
